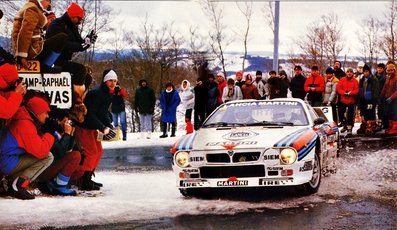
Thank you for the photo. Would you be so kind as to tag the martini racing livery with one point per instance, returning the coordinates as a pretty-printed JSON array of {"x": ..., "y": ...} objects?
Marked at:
[{"x": 257, "y": 143}]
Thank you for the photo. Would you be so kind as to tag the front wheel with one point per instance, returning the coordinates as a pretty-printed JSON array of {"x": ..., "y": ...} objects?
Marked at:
[{"x": 313, "y": 185}]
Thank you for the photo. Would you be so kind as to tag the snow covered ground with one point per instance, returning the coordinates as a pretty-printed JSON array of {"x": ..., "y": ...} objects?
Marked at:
[{"x": 130, "y": 196}]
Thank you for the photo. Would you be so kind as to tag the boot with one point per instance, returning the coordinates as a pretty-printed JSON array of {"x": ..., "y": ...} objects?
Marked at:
[
  {"x": 58, "y": 186},
  {"x": 393, "y": 130},
  {"x": 371, "y": 128},
  {"x": 349, "y": 131},
  {"x": 17, "y": 189},
  {"x": 390, "y": 127},
  {"x": 362, "y": 128},
  {"x": 124, "y": 135},
  {"x": 87, "y": 184},
  {"x": 173, "y": 130},
  {"x": 189, "y": 126},
  {"x": 96, "y": 183},
  {"x": 164, "y": 128}
]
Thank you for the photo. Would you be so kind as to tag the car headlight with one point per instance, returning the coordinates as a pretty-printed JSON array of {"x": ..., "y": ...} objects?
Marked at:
[
  {"x": 182, "y": 159},
  {"x": 288, "y": 156}
]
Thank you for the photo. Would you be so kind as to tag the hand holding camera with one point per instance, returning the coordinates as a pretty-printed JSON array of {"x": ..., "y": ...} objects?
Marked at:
[
  {"x": 89, "y": 40},
  {"x": 20, "y": 87},
  {"x": 68, "y": 126}
]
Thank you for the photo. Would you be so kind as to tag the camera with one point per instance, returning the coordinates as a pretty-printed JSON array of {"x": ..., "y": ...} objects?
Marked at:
[{"x": 72, "y": 123}]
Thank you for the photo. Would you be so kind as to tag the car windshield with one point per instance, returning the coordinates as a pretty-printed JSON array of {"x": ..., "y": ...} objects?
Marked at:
[{"x": 258, "y": 113}]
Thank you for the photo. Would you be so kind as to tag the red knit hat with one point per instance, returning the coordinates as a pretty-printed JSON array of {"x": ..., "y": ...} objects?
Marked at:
[
  {"x": 74, "y": 10},
  {"x": 8, "y": 75},
  {"x": 38, "y": 105}
]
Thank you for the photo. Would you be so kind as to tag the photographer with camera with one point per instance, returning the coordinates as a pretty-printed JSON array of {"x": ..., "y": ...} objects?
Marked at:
[
  {"x": 69, "y": 23},
  {"x": 55, "y": 179},
  {"x": 12, "y": 90},
  {"x": 24, "y": 149}
]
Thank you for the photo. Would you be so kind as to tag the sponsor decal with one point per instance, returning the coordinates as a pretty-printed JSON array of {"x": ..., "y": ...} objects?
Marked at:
[
  {"x": 245, "y": 104},
  {"x": 307, "y": 166},
  {"x": 191, "y": 183},
  {"x": 232, "y": 183},
  {"x": 190, "y": 170},
  {"x": 275, "y": 168},
  {"x": 271, "y": 157},
  {"x": 273, "y": 182},
  {"x": 240, "y": 135},
  {"x": 228, "y": 143},
  {"x": 196, "y": 159}
]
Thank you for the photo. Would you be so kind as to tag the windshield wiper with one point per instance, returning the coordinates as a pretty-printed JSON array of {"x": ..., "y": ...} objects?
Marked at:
[
  {"x": 280, "y": 123},
  {"x": 223, "y": 124}
]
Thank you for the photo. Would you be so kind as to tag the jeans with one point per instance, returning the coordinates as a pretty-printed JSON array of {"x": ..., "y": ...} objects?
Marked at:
[
  {"x": 123, "y": 120},
  {"x": 146, "y": 122}
]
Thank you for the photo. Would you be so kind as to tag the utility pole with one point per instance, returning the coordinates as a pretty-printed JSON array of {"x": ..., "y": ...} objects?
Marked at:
[{"x": 276, "y": 34}]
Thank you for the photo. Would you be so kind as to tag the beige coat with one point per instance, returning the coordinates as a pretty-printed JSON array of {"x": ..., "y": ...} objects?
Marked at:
[{"x": 27, "y": 32}]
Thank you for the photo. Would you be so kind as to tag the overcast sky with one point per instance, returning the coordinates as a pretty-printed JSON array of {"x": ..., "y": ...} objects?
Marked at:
[{"x": 295, "y": 16}]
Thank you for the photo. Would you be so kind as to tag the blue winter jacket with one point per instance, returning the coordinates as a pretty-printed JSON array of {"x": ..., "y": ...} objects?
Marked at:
[
  {"x": 9, "y": 152},
  {"x": 169, "y": 106}
]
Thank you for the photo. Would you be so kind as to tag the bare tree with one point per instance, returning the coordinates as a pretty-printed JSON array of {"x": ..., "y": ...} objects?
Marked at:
[
  {"x": 218, "y": 41},
  {"x": 312, "y": 46},
  {"x": 333, "y": 36},
  {"x": 388, "y": 40},
  {"x": 246, "y": 10},
  {"x": 322, "y": 42},
  {"x": 369, "y": 37}
]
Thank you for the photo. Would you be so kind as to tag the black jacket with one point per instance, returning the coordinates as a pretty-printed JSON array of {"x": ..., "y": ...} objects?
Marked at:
[
  {"x": 98, "y": 103},
  {"x": 74, "y": 41},
  {"x": 145, "y": 100},
  {"x": 297, "y": 86}
]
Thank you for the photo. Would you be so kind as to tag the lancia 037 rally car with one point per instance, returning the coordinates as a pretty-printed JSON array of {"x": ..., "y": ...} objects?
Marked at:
[{"x": 257, "y": 143}]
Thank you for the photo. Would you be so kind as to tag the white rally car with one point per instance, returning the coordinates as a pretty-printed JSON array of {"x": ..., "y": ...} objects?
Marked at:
[{"x": 257, "y": 143}]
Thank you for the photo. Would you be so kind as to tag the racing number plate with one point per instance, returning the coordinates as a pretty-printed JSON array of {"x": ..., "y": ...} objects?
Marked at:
[{"x": 33, "y": 67}]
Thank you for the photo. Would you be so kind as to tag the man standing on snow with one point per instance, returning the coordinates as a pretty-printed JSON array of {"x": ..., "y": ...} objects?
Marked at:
[{"x": 145, "y": 101}]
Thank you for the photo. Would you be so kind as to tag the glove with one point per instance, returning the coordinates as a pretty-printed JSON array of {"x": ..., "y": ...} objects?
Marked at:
[
  {"x": 388, "y": 100},
  {"x": 86, "y": 44},
  {"x": 370, "y": 106}
]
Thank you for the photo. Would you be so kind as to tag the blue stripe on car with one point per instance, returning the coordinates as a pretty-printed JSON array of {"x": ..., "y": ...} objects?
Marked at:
[{"x": 303, "y": 152}]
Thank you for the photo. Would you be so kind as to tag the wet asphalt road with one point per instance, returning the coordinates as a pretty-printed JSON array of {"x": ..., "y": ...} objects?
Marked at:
[{"x": 347, "y": 211}]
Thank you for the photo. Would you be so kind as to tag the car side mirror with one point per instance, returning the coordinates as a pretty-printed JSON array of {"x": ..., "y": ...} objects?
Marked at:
[{"x": 319, "y": 121}]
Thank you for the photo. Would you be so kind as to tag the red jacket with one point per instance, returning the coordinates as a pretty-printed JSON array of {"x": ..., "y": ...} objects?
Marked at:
[
  {"x": 221, "y": 86},
  {"x": 315, "y": 81},
  {"x": 9, "y": 104},
  {"x": 348, "y": 85},
  {"x": 26, "y": 133}
]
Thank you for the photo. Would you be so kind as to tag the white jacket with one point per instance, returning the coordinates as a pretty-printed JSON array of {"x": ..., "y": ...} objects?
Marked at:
[
  {"x": 238, "y": 95},
  {"x": 187, "y": 96}
]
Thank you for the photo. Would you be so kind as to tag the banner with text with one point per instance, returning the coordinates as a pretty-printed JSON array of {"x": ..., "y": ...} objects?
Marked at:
[{"x": 58, "y": 86}]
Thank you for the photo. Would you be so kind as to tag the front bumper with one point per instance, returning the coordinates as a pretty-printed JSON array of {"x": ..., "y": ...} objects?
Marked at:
[{"x": 291, "y": 175}]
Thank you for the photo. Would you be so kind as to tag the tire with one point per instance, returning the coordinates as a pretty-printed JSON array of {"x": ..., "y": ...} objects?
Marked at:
[{"x": 313, "y": 185}]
